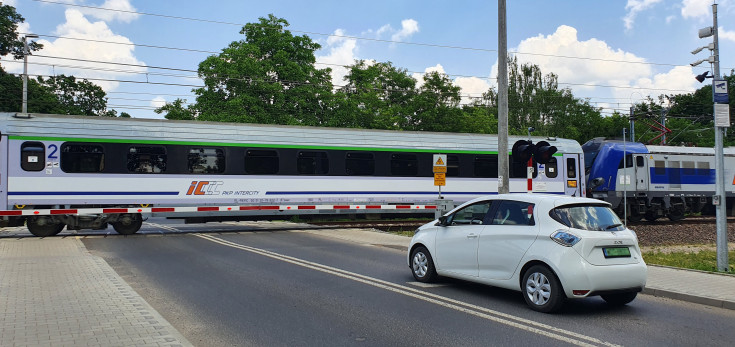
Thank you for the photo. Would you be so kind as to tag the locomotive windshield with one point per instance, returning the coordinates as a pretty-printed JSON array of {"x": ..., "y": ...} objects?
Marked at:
[{"x": 590, "y": 149}]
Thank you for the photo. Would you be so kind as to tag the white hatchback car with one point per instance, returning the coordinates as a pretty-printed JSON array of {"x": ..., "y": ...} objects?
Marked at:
[{"x": 549, "y": 247}]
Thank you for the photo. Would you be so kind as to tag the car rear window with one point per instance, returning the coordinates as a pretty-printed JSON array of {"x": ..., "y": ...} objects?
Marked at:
[{"x": 587, "y": 217}]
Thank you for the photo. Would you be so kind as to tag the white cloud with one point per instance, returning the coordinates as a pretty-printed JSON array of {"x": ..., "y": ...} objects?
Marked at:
[
  {"x": 158, "y": 101},
  {"x": 696, "y": 8},
  {"x": 78, "y": 26},
  {"x": 408, "y": 28},
  {"x": 725, "y": 34},
  {"x": 10, "y": 3},
  {"x": 598, "y": 66},
  {"x": 341, "y": 52},
  {"x": 123, "y": 11},
  {"x": 634, "y": 7}
]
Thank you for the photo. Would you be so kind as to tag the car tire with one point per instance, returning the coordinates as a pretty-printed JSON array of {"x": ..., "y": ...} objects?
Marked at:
[
  {"x": 422, "y": 265},
  {"x": 542, "y": 290},
  {"x": 619, "y": 299}
]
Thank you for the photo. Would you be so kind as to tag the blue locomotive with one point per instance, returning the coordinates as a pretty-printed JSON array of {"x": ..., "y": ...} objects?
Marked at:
[{"x": 656, "y": 181}]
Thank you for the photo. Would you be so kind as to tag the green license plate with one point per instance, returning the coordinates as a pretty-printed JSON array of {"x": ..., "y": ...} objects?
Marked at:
[{"x": 616, "y": 252}]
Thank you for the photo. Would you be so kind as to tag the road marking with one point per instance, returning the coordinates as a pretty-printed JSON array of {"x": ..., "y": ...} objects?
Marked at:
[
  {"x": 164, "y": 227},
  {"x": 478, "y": 311}
]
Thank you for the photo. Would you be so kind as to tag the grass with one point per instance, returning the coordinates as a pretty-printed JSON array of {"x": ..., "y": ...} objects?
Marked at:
[{"x": 704, "y": 260}]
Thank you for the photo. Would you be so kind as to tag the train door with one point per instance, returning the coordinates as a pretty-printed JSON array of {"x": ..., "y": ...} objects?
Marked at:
[
  {"x": 3, "y": 172},
  {"x": 573, "y": 174},
  {"x": 641, "y": 173}
]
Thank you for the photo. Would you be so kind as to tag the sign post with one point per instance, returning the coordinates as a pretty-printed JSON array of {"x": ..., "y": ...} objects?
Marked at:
[{"x": 440, "y": 171}]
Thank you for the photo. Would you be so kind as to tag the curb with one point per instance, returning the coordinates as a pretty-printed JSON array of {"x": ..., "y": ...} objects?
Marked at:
[{"x": 726, "y": 304}]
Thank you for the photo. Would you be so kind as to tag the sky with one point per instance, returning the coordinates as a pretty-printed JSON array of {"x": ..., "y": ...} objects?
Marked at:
[{"x": 612, "y": 53}]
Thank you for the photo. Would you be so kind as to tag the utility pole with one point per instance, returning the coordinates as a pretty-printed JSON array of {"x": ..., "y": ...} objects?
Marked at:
[
  {"x": 721, "y": 115},
  {"x": 503, "y": 165},
  {"x": 26, "y": 51},
  {"x": 721, "y": 214}
]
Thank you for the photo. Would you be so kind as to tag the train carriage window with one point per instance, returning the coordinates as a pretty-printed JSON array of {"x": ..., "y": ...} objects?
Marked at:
[
  {"x": 403, "y": 164},
  {"x": 32, "y": 156},
  {"x": 261, "y": 162},
  {"x": 571, "y": 168},
  {"x": 486, "y": 166},
  {"x": 359, "y": 164},
  {"x": 206, "y": 160},
  {"x": 452, "y": 165},
  {"x": 78, "y": 157},
  {"x": 703, "y": 168},
  {"x": 628, "y": 161},
  {"x": 659, "y": 168},
  {"x": 312, "y": 163},
  {"x": 639, "y": 161},
  {"x": 688, "y": 168},
  {"x": 147, "y": 159},
  {"x": 551, "y": 168}
]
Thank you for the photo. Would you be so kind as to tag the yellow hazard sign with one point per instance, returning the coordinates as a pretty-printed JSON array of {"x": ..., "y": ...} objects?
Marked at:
[
  {"x": 440, "y": 160},
  {"x": 440, "y": 179}
]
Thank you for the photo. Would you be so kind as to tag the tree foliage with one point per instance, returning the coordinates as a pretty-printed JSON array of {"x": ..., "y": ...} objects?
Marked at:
[
  {"x": 77, "y": 97},
  {"x": 268, "y": 77},
  {"x": 11, "y": 42}
]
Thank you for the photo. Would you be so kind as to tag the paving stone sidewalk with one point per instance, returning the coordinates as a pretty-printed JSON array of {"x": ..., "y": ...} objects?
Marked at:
[{"x": 55, "y": 293}]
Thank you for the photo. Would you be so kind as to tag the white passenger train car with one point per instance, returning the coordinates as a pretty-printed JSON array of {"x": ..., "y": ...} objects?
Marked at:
[{"x": 53, "y": 163}]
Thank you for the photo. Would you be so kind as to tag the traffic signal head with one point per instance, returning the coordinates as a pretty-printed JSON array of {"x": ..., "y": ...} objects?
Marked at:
[
  {"x": 522, "y": 151},
  {"x": 543, "y": 152}
]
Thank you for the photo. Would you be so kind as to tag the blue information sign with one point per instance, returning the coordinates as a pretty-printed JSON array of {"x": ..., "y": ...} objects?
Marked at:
[{"x": 720, "y": 94}]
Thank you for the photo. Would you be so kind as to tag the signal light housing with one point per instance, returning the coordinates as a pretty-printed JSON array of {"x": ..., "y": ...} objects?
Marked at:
[
  {"x": 523, "y": 151},
  {"x": 543, "y": 152}
]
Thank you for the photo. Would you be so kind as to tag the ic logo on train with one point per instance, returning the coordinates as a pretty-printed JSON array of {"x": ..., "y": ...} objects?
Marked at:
[{"x": 204, "y": 188}]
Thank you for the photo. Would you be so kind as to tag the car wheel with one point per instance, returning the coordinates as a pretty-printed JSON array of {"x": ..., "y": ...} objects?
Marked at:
[
  {"x": 542, "y": 290},
  {"x": 619, "y": 299},
  {"x": 422, "y": 265}
]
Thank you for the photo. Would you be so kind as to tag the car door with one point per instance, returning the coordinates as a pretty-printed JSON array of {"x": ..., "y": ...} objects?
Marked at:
[
  {"x": 456, "y": 241},
  {"x": 504, "y": 242}
]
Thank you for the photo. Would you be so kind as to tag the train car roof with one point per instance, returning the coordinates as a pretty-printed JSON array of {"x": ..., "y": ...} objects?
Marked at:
[
  {"x": 687, "y": 150},
  {"x": 69, "y": 128}
]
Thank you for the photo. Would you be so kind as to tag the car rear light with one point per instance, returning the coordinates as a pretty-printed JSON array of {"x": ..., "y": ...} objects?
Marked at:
[
  {"x": 580, "y": 292},
  {"x": 565, "y": 238}
]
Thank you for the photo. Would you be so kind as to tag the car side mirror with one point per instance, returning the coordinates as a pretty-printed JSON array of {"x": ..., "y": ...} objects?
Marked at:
[{"x": 442, "y": 221}]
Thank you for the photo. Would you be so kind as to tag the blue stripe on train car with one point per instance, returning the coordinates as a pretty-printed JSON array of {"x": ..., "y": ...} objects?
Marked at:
[{"x": 682, "y": 176}]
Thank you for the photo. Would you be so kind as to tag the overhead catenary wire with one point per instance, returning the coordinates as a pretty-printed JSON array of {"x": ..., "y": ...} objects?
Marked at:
[
  {"x": 468, "y": 95},
  {"x": 355, "y": 37}
]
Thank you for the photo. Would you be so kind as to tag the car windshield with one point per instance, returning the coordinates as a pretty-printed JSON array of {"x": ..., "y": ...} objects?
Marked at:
[{"x": 588, "y": 217}]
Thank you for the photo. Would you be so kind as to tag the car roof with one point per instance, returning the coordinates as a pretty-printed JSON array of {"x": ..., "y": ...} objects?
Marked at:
[{"x": 540, "y": 198}]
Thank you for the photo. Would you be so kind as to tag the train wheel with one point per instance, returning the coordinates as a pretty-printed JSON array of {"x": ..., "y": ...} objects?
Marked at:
[
  {"x": 651, "y": 216},
  {"x": 128, "y": 224},
  {"x": 676, "y": 214},
  {"x": 59, "y": 228},
  {"x": 43, "y": 226}
]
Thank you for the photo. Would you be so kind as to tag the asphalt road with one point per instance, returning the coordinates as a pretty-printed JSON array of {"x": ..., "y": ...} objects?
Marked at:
[{"x": 279, "y": 288}]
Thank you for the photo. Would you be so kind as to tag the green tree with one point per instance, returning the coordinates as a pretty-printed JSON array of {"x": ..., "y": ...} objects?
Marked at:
[
  {"x": 535, "y": 100},
  {"x": 40, "y": 98},
  {"x": 377, "y": 96},
  {"x": 176, "y": 110},
  {"x": 269, "y": 77},
  {"x": 78, "y": 96},
  {"x": 11, "y": 42},
  {"x": 436, "y": 106}
]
